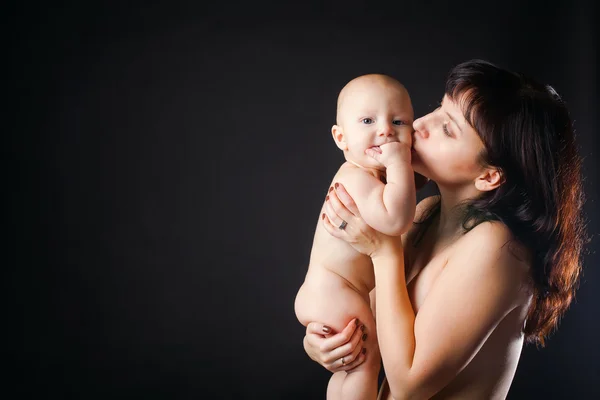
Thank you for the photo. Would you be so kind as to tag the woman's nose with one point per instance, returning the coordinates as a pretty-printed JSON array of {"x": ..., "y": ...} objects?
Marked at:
[{"x": 420, "y": 127}]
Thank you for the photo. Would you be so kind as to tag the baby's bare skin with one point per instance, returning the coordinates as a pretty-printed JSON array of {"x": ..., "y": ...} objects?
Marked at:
[{"x": 374, "y": 115}]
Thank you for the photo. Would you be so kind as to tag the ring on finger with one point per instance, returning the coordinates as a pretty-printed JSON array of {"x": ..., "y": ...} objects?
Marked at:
[
  {"x": 343, "y": 225},
  {"x": 343, "y": 362}
]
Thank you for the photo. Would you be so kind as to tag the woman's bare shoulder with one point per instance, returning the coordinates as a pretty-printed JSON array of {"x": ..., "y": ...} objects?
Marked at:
[
  {"x": 497, "y": 233},
  {"x": 498, "y": 239}
]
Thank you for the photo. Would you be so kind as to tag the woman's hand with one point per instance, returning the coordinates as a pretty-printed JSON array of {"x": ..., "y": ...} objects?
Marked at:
[
  {"x": 342, "y": 220},
  {"x": 336, "y": 352}
]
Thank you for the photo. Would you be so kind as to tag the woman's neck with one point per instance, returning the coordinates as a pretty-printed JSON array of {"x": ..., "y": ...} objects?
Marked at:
[{"x": 451, "y": 209}]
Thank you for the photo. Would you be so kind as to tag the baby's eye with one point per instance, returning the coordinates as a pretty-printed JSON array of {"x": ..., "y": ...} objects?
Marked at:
[
  {"x": 367, "y": 120},
  {"x": 398, "y": 122}
]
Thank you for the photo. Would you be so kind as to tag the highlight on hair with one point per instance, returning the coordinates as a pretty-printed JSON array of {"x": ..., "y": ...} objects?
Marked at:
[{"x": 528, "y": 135}]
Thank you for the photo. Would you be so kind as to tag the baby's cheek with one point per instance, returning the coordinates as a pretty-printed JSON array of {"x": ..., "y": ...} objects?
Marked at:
[{"x": 406, "y": 139}]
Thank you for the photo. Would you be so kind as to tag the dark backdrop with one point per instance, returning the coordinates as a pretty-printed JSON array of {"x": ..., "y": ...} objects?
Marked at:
[{"x": 167, "y": 165}]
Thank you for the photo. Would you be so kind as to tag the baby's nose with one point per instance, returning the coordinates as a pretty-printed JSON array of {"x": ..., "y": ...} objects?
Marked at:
[{"x": 386, "y": 130}]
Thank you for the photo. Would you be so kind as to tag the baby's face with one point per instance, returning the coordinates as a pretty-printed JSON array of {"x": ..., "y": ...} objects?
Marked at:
[{"x": 372, "y": 114}]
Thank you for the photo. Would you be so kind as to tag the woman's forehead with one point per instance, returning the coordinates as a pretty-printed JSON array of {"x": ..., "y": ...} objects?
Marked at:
[{"x": 453, "y": 108}]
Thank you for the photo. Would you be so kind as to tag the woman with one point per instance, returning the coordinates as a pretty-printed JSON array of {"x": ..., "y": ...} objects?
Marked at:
[{"x": 491, "y": 262}]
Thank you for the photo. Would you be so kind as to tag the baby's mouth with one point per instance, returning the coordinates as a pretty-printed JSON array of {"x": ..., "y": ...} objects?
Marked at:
[{"x": 376, "y": 148}]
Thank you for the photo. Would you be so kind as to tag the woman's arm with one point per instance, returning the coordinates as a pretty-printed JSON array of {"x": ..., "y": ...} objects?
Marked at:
[{"x": 477, "y": 288}]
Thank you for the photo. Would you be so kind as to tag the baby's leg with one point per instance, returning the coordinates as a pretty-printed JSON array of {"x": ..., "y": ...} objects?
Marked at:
[
  {"x": 329, "y": 299},
  {"x": 361, "y": 382}
]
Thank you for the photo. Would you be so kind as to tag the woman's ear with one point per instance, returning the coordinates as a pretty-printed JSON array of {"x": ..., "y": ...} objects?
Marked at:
[
  {"x": 338, "y": 137},
  {"x": 490, "y": 179}
]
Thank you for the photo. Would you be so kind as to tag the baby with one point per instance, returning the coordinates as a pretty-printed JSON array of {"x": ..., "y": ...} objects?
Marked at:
[{"x": 373, "y": 112}]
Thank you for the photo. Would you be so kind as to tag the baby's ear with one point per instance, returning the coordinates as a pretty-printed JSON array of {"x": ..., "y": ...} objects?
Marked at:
[{"x": 338, "y": 137}]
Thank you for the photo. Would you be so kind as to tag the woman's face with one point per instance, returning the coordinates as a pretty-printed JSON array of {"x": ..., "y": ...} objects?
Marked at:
[{"x": 445, "y": 147}]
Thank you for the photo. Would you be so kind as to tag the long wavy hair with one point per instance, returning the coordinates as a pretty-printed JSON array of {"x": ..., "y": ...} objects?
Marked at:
[{"x": 528, "y": 135}]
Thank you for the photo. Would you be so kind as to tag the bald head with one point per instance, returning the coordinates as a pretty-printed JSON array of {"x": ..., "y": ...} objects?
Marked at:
[{"x": 364, "y": 83}]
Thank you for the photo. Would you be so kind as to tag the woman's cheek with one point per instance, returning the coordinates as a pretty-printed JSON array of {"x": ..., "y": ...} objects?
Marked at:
[{"x": 463, "y": 165}]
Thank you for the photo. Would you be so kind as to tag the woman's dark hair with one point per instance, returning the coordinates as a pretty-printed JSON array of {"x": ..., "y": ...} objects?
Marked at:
[{"x": 528, "y": 135}]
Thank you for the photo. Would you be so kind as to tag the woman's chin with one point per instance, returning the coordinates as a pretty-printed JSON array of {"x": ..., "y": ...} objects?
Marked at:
[{"x": 419, "y": 170}]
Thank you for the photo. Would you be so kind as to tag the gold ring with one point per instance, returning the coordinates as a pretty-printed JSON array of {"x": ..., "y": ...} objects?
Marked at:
[{"x": 343, "y": 362}]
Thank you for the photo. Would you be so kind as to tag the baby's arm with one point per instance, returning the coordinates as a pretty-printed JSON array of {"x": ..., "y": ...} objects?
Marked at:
[{"x": 388, "y": 208}]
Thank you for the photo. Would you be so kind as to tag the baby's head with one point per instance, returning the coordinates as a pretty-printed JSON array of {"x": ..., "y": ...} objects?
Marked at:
[{"x": 372, "y": 110}]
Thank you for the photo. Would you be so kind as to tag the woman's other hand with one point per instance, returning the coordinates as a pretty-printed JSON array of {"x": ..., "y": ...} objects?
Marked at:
[{"x": 341, "y": 351}]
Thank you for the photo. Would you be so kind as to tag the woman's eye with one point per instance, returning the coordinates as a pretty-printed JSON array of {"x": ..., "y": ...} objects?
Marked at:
[
  {"x": 367, "y": 121},
  {"x": 445, "y": 128},
  {"x": 399, "y": 122}
]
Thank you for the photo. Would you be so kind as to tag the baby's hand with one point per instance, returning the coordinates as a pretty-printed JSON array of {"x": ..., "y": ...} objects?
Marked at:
[{"x": 390, "y": 153}]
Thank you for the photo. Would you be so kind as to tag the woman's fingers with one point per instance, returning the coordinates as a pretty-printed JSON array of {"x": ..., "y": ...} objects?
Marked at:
[
  {"x": 359, "y": 359},
  {"x": 350, "y": 350},
  {"x": 350, "y": 354},
  {"x": 332, "y": 208},
  {"x": 329, "y": 351},
  {"x": 333, "y": 230},
  {"x": 337, "y": 210},
  {"x": 345, "y": 199},
  {"x": 321, "y": 329},
  {"x": 339, "y": 221},
  {"x": 340, "y": 211},
  {"x": 337, "y": 340}
]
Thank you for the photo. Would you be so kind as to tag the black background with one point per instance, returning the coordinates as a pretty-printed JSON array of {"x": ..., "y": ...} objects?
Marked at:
[{"x": 166, "y": 166}]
